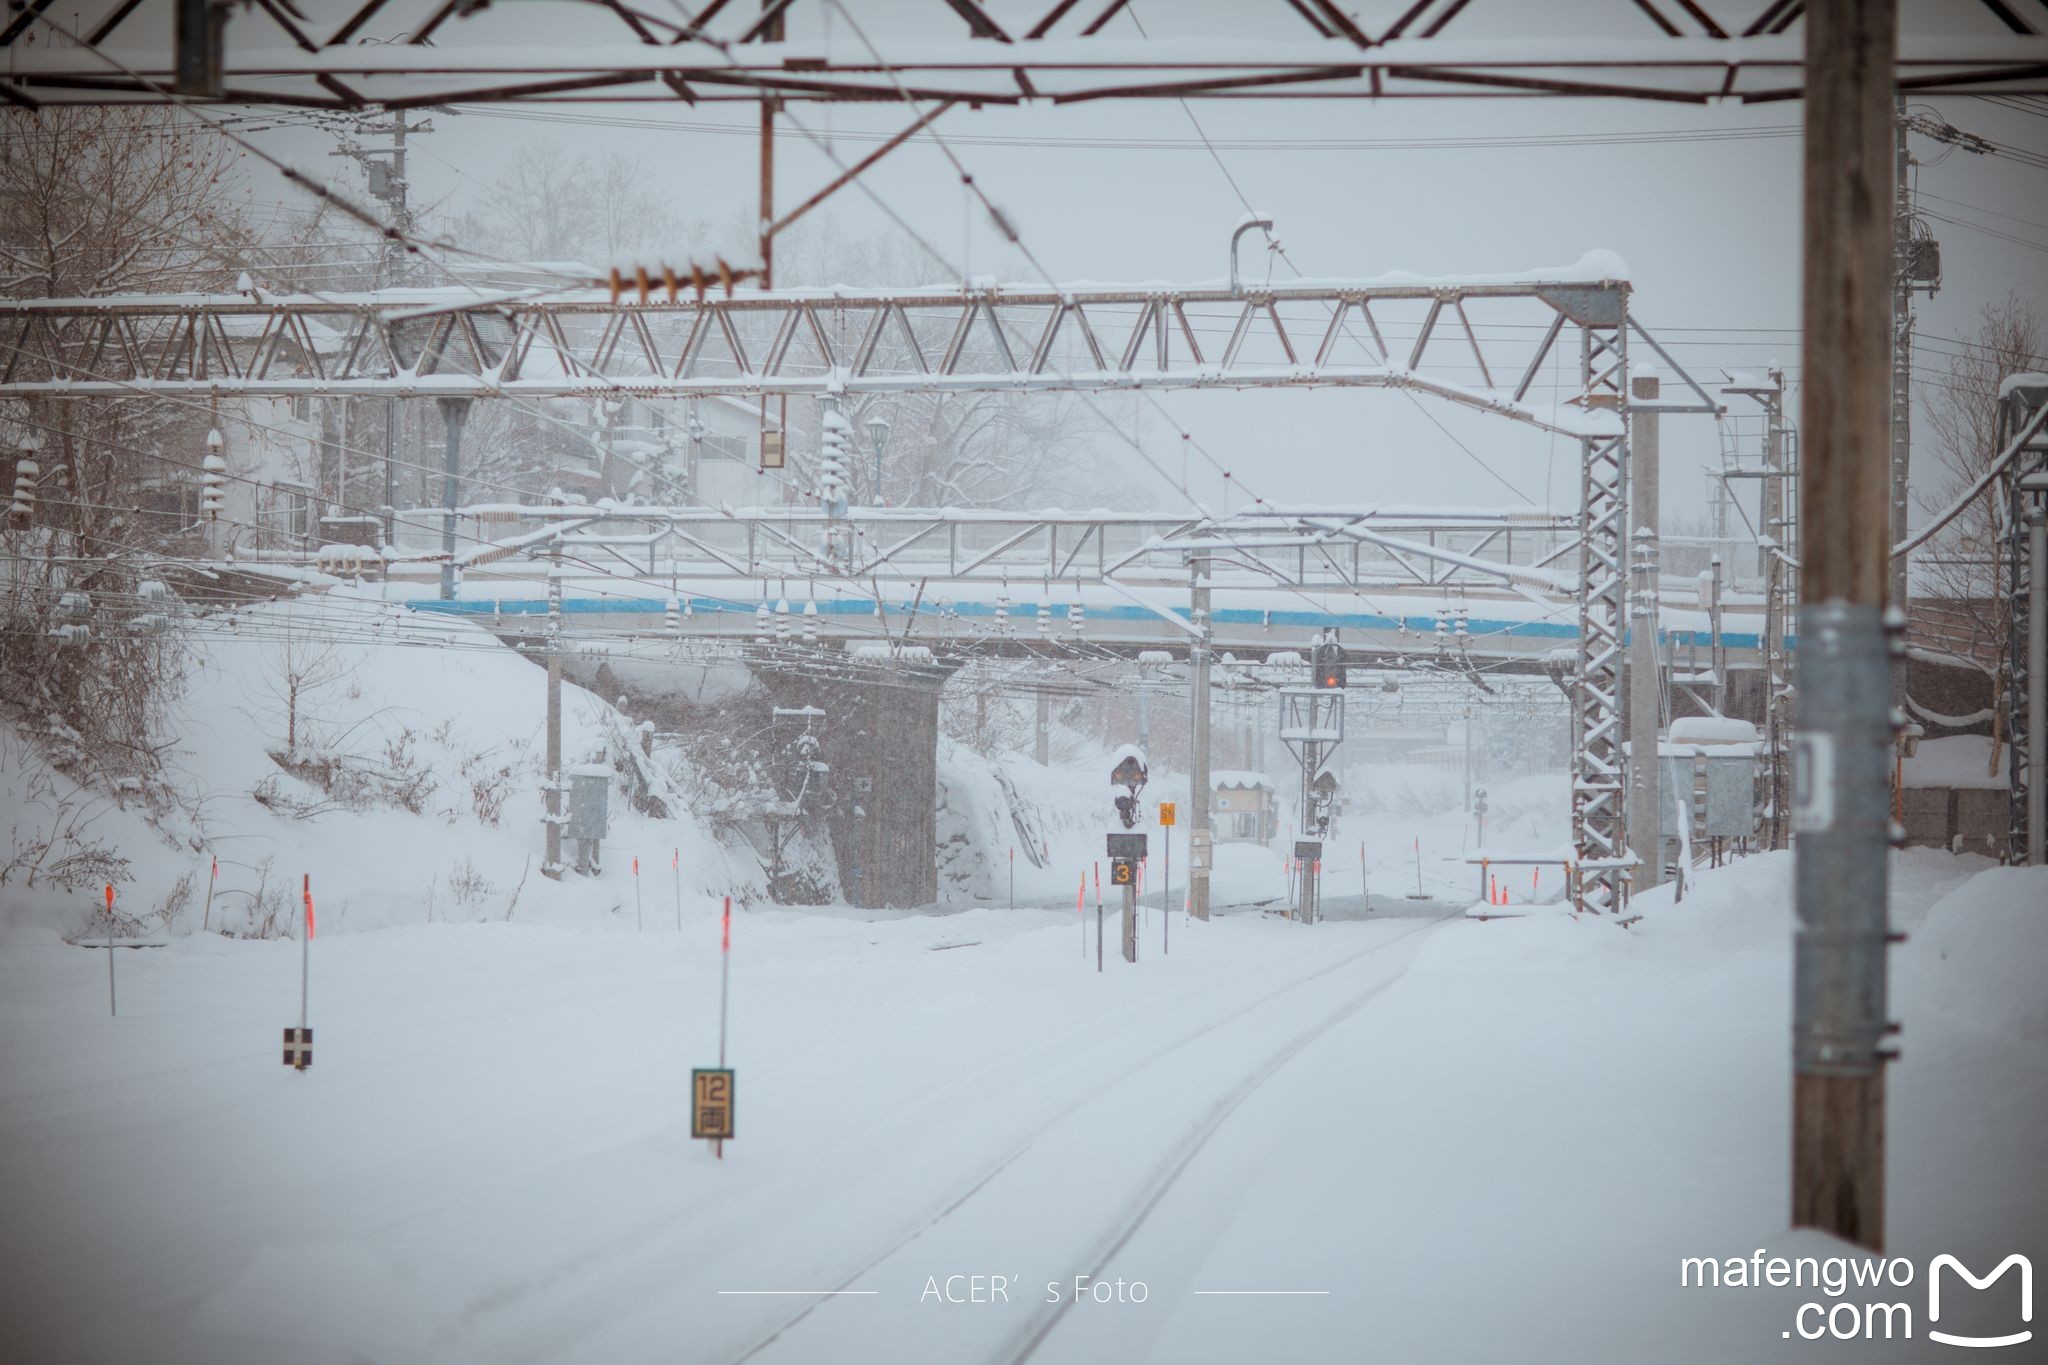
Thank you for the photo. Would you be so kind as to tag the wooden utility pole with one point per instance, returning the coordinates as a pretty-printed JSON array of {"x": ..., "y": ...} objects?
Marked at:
[{"x": 1843, "y": 808}]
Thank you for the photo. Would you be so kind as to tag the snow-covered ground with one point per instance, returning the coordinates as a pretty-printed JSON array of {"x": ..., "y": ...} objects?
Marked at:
[
  {"x": 1481, "y": 1141},
  {"x": 1400, "y": 1134}
]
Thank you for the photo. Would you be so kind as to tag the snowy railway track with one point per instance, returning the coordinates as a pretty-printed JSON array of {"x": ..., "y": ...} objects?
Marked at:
[{"x": 1022, "y": 1347}]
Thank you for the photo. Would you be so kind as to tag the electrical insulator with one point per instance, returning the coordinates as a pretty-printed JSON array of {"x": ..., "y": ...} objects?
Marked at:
[
  {"x": 1464, "y": 624},
  {"x": 73, "y": 606},
  {"x": 1003, "y": 614},
  {"x": 26, "y": 471},
  {"x": 832, "y": 461},
  {"x": 671, "y": 617},
  {"x": 150, "y": 623},
  {"x": 1076, "y": 618},
  {"x": 810, "y": 623},
  {"x": 214, "y": 477},
  {"x": 73, "y": 635},
  {"x": 1045, "y": 619},
  {"x": 782, "y": 621},
  {"x": 761, "y": 624}
]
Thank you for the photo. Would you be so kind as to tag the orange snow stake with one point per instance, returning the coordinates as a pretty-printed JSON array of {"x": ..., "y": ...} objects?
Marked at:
[
  {"x": 675, "y": 865},
  {"x": 112, "y": 1011},
  {"x": 639, "y": 917}
]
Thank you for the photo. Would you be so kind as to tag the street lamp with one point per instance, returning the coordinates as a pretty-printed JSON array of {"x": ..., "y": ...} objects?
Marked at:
[{"x": 878, "y": 435}]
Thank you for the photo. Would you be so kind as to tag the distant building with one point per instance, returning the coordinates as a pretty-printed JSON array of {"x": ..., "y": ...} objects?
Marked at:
[{"x": 1245, "y": 811}]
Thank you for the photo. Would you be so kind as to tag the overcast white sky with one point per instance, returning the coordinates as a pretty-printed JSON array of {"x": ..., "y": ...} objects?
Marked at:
[{"x": 1709, "y": 227}]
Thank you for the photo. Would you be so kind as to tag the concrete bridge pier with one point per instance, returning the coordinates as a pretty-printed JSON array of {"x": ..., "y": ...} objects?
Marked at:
[{"x": 881, "y": 739}]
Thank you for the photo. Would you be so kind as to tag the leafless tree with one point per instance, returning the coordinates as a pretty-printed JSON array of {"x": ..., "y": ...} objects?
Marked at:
[
  {"x": 1962, "y": 574},
  {"x": 95, "y": 201},
  {"x": 553, "y": 204}
]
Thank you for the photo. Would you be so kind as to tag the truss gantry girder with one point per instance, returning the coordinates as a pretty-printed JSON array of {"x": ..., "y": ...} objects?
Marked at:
[
  {"x": 413, "y": 53},
  {"x": 1342, "y": 550},
  {"x": 1489, "y": 344}
]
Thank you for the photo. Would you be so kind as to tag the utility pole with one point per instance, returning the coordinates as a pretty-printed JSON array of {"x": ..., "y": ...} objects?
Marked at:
[
  {"x": 551, "y": 864},
  {"x": 1903, "y": 273},
  {"x": 772, "y": 33},
  {"x": 1041, "y": 740},
  {"x": 1201, "y": 804},
  {"x": 453, "y": 411},
  {"x": 1843, "y": 811},
  {"x": 1645, "y": 811},
  {"x": 389, "y": 186}
]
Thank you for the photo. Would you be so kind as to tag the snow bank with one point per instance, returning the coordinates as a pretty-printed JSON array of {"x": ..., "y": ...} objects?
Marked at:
[
  {"x": 1979, "y": 954},
  {"x": 403, "y": 778}
]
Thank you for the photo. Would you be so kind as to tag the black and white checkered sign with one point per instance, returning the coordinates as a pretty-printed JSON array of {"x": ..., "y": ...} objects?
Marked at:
[{"x": 298, "y": 1048}]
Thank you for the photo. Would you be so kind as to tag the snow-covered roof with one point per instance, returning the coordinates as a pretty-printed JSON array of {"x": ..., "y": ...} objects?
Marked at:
[
  {"x": 1237, "y": 779},
  {"x": 1712, "y": 730}
]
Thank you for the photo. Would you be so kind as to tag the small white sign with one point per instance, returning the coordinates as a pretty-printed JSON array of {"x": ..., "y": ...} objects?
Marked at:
[{"x": 1813, "y": 782}]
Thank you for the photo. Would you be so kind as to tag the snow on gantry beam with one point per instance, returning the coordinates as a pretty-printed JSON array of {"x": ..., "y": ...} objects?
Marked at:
[
  {"x": 1478, "y": 340},
  {"x": 410, "y": 53},
  {"x": 1338, "y": 549}
]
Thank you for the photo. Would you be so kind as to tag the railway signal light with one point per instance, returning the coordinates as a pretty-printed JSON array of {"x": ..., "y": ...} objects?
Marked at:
[{"x": 1328, "y": 660}]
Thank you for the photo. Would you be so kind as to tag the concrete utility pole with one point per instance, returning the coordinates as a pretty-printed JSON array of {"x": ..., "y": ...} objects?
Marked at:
[
  {"x": 1200, "y": 803},
  {"x": 2034, "y": 490},
  {"x": 453, "y": 411},
  {"x": 1843, "y": 809},
  {"x": 1903, "y": 273},
  {"x": 388, "y": 185},
  {"x": 551, "y": 864},
  {"x": 1645, "y": 811},
  {"x": 1041, "y": 739}
]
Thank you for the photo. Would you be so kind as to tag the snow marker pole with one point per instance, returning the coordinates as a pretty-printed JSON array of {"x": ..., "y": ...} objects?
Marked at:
[
  {"x": 724, "y": 986},
  {"x": 1013, "y": 876},
  {"x": 1166, "y": 890},
  {"x": 1081, "y": 913},
  {"x": 212, "y": 877},
  {"x": 675, "y": 865},
  {"x": 306, "y": 951},
  {"x": 1418, "y": 866},
  {"x": 112, "y": 1012},
  {"x": 639, "y": 919}
]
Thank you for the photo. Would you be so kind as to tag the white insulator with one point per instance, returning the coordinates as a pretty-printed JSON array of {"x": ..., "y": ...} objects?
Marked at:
[
  {"x": 810, "y": 623},
  {"x": 74, "y": 606},
  {"x": 150, "y": 623},
  {"x": 1003, "y": 614},
  {"x": 761, "y": 624},
  {"x": 26, "y": 472},
  {"x": 213, "y": 481},
  {"x": 1076, "y": 618},
  {"x": 1464, "y": 622},
  {"x": 782, "y": 621},
  {"x": 1045, "y": 619},
  {"x": 73, "y": 635},
  {"x": 672, "y": 618},
  {"x": 151, "y": 590}
]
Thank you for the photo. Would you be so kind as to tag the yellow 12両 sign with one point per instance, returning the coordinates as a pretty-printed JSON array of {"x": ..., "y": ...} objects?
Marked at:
[{"x": 711, "y": 1103}]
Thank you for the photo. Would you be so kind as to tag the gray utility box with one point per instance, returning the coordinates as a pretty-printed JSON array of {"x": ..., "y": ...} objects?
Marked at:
[
  {"x": 590, "y": 789},
  {"x": 1719, "y": 789}
]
